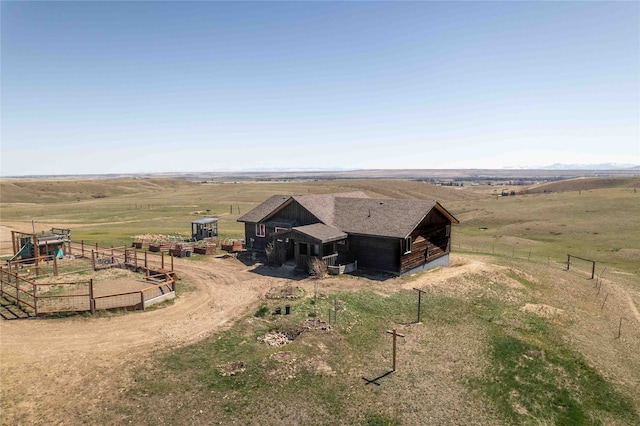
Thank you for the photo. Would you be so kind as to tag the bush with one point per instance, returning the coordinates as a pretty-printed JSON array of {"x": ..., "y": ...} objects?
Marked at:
[
  {"x": 318, "y": 268},
  {"x": 262, "y": 312}
]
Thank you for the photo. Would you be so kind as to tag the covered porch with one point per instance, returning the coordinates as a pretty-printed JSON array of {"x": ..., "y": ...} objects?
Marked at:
[{"x": 303, "y": 243}]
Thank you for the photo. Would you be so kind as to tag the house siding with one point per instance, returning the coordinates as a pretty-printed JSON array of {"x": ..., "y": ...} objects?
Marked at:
[
  {"x": 294, "y": 213},
  {"x": 375, "y": 252},
  {"x": 430, "y": 241}
]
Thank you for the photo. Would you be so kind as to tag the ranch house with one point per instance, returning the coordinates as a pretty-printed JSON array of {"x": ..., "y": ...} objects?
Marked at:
[{"x": 396, "y": 236}]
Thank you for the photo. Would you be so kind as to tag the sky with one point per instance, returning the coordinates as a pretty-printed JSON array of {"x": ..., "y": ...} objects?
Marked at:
[{"x": 143, "y": 87}]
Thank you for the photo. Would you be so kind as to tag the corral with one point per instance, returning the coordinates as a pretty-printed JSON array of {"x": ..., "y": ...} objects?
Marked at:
[{"x": 49, "y": 285}]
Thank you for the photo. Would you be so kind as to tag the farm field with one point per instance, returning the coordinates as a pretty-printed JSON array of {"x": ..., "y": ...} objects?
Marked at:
[{"x": 507, "y": 334}]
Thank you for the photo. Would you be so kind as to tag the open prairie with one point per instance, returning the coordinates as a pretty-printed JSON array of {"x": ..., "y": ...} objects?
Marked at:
[{"x": 507, "y": 334}]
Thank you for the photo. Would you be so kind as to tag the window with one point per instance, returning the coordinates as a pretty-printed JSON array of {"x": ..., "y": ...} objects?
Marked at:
[
  {"x": 260, "y": 229},
  {"x": 315, "y": 249},
  {"x": 303, "y": 248},
  {"x": 407, "y": 245},
  {"x": 278, "y": 229}
]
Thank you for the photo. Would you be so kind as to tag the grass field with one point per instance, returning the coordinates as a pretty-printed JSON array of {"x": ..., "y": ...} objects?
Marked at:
[{"x": 507, "y": 335}]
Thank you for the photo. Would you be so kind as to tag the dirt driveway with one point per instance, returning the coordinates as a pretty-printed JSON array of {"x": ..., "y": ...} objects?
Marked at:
[{"x": 63, "y": 370}]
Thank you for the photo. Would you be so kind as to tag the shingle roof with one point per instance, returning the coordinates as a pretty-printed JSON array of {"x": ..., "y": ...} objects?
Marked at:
[
  {"x": 386, "y": 218},
  {"x": 355, "y": 213},
  {"x": 261, "y": 211},
  {"x": 323, "y": 206},
  {"x": 321, "y": 232}
]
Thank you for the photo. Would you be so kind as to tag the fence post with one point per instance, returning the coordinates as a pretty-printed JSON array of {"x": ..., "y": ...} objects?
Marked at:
[
  {"x": 92, "y": 301},
  {"x": 82, "y": 247},
  {"x": 162, "y": 257},
  {"x": 17, "y": 290},
  {"x": 93, "y": 260},
  {"x": 142, "y": 300},
  {"x": 55, "y": 265},
  {"x": 171, "y": 263},
  {"x": 35, "y": 299},
  {"x": 145, "y": 260},
  {"x": 593, "y": 269},
  {"x": 568, "y": 261}
]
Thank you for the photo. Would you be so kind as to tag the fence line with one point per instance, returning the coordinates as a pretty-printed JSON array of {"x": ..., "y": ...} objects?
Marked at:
[{"x": 46, "y": 298}]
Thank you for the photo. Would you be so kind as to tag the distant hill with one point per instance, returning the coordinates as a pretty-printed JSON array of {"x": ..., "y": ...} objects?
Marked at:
[
  {"x": 584, "y": 184},
  {"x": 602, "y": 166}
]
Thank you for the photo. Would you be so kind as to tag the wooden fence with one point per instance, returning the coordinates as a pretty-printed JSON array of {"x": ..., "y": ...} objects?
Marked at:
[
  {"x": 47, "y": 298},
  {"x": 109, "y": 257}
]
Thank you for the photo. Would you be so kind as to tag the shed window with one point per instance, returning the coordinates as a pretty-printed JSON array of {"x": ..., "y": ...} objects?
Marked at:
[
  {"x": 407, "y": 245},
  {"x": 315, "y": 249},
  {"x": 260, "y": 229},
  {"x": 303, "y": 248}
]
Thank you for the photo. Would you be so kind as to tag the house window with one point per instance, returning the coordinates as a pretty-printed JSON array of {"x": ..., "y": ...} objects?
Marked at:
[
  {"x": 407, "y": 245},
  {"x": 303, "y": 248},
  {"x": 260, "y": 229},
  {"x": 278, "y": 229},
  {"x": 315, "y": 249}
]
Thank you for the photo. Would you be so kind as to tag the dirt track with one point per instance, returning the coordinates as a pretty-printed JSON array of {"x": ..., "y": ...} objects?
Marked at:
[{"x": 68, "y": 368}]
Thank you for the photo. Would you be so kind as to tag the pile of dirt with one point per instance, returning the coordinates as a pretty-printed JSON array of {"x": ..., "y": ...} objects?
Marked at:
[{"x": 542, "y": 310}]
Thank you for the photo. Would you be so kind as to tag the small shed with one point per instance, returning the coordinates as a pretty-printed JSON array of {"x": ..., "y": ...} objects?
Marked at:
[{"x": 206, "y": 227}]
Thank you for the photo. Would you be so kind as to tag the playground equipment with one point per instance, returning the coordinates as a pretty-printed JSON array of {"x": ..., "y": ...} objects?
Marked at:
[{"x": 54, "y": 243}]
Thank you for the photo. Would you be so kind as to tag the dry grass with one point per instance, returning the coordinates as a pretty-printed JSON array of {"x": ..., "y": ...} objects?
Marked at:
[{"x": 508, "y": 335}]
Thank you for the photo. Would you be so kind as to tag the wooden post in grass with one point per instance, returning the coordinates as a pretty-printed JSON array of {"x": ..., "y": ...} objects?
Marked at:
[
  {"x": 135, "y": 256},
  {"x": 145, "y": 260},
  {"x": 82, "y": 247},
  {"x": 55, "y": 265},
  {"x": 172, "y": 263},
  {"x": 395, "y": 334},
  {"x": 93, "y": 260},
  {"x": 162, "y": 257},
  {"x": 419, "y": 301}
]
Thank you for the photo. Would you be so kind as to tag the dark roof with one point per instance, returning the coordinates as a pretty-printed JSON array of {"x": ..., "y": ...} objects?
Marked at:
[
  {"x": 321, "y": 232},
  {"x": 354, "y": 213},
  {"x": 205, "y": 220},
  {"x": 323, "y": 206},
  {"x": 264, "y": 209},
  {"x": 382, "y": 217}
]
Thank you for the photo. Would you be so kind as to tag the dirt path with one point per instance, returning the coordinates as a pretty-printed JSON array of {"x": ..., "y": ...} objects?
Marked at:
[
  {"x": 47, "y": 361},
  {"x": 68, "y": 368}
]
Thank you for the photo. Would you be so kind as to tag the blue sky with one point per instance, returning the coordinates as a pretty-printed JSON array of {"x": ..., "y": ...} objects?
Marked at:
[{"x": 126, "y": 87}]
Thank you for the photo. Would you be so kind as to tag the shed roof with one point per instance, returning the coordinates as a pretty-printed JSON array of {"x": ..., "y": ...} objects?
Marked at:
[
  {"x": 321, "y": 232},
  {"x": 205, "y": 220}
]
